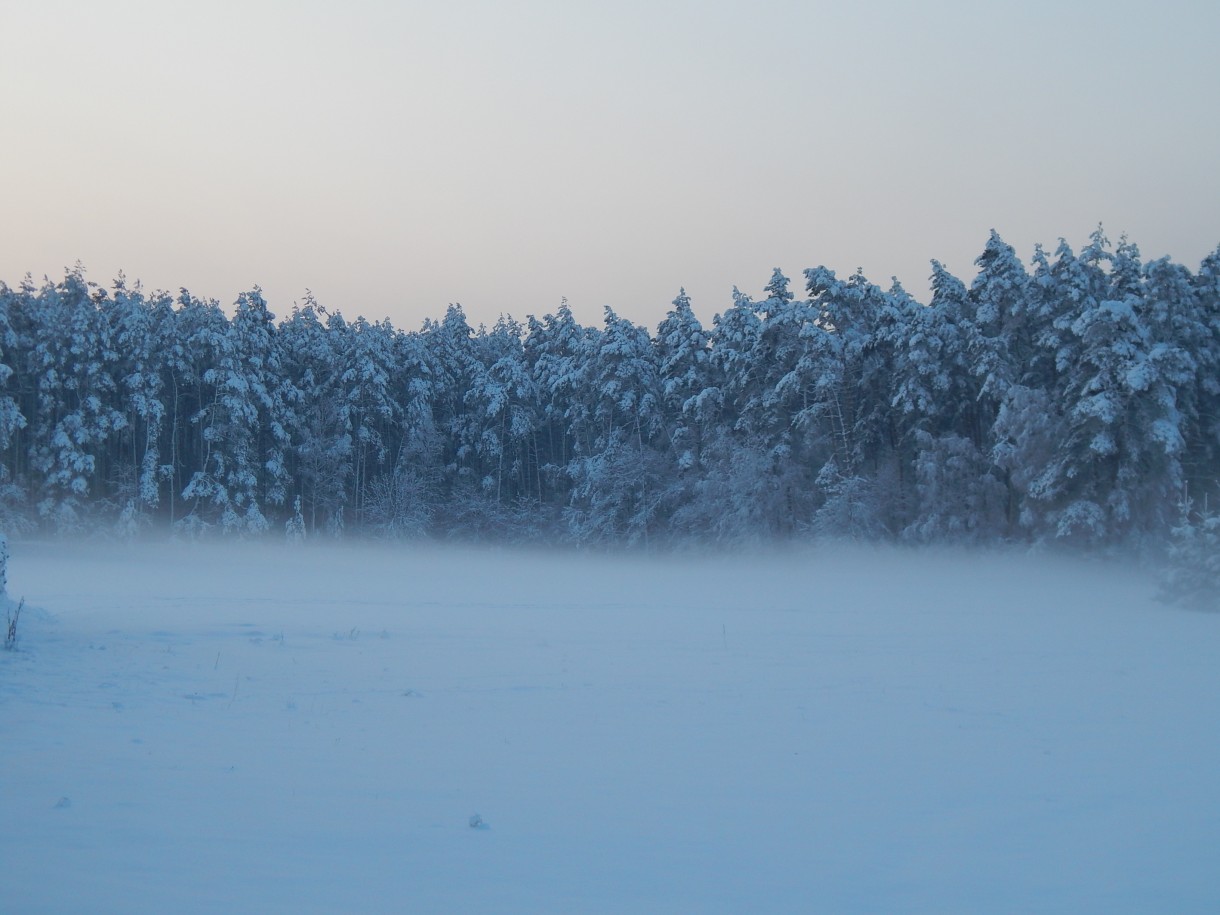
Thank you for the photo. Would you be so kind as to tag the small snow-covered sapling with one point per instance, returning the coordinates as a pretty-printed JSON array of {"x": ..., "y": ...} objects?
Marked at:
[{"x": 10, "y": 633}]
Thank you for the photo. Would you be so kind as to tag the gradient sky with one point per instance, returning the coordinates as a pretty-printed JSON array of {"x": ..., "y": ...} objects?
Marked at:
[{"x": 393, "y": 157}]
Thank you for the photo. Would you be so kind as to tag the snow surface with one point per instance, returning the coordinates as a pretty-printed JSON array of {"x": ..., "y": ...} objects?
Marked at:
[{"x": 193, "y": 728}]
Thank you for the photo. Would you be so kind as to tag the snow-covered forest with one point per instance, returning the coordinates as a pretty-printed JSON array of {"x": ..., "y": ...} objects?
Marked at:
[{"x": 1074, "y": 399}]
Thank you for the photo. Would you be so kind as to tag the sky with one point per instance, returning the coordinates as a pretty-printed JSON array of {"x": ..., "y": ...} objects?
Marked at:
[{"x": 394, "y": 157}]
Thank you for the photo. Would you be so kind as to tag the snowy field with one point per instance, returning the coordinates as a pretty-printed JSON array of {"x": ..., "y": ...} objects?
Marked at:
[{"x": 190, "y": 728}]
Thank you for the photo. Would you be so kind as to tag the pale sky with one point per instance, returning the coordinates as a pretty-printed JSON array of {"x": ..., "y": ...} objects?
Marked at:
[{"x": 394, "y": 157}]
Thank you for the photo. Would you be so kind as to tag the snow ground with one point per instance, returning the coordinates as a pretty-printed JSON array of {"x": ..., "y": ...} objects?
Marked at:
[{"x": 192, "y": 728}]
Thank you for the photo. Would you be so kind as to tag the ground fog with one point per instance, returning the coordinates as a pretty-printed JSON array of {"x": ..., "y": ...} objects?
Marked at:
[{"x": 191, "y": 727}]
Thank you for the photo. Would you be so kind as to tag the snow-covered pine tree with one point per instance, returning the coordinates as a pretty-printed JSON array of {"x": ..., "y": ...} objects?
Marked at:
[
  {"x": 752, "y": 487},
  {"x": 12, "y": 496},
  {"x": 453, "y": 366},
  {"x": 734, "y": 343},
  {"x": 189, "y": 340},
  {"x": 74, "y": 416},
  {"x": 137, "y": 467},
  {"x": 321, "y": 440},
  {"x": 1002, "y": 344},
  {"x": 369, "y": 408},
  {"x": 780, "y": 363},
  {"x": 683, "y": 361},
  {"x": 243, "y": 471},
  {"x": 1117, "y": 464},
  {"x": 618, "y": 488},
  {"x": 852, "y": 367},
  {"x": 502, "y": 418},
  {"x": 559, "y": 355},
  {"x": 934, "y": 401}
]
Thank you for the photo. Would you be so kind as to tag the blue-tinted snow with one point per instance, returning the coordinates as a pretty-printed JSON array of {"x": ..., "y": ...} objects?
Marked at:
[{"x": 191, "y": 728}]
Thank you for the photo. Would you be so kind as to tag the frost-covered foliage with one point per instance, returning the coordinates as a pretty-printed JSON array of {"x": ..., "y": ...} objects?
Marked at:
[
  {"x": 1068, "y": 400},
  {"x": 398, "y": 504},
  {"x": 1193, "y": 574}
]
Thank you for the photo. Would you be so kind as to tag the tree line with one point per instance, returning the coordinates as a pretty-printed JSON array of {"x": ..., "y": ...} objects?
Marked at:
[{"x": 1076, "y": 399}]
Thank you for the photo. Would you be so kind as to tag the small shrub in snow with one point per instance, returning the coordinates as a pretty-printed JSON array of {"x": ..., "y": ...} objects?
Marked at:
[
  {"x": 396, "y": 505},
  {"x": 294, "y": 527},
  {"x": 1193, "y": 576},
  {"x": 131, "y": 521},
  {"x": 11, "y": 616}
]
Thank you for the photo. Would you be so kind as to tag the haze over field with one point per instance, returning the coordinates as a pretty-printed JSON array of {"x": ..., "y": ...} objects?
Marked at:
[{"x": 200, "y": 728}]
